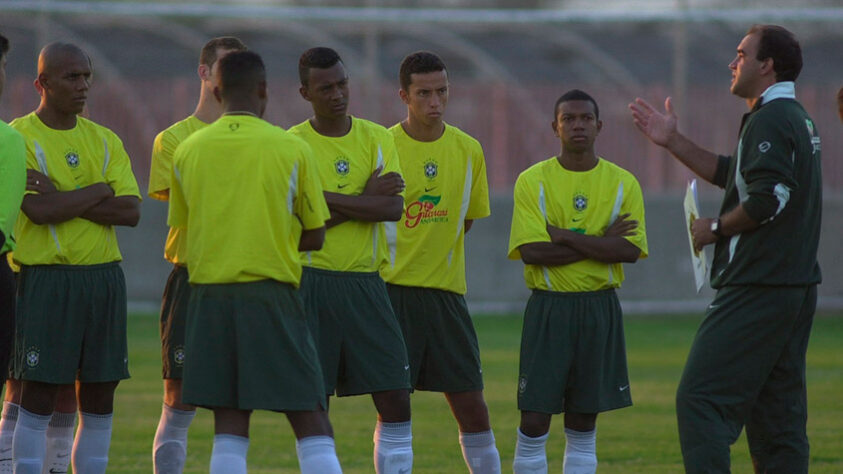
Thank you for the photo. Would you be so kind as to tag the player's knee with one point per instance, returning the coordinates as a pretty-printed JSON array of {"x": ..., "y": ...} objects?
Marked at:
[{"x": 534, "y": 424}]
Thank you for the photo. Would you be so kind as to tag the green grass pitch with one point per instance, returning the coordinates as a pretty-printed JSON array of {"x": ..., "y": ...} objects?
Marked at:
[{"x": 640, "y": 439}]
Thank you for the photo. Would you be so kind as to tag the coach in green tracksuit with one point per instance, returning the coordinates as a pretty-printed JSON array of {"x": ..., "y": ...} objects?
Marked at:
[{"x": 747, "y": 363}]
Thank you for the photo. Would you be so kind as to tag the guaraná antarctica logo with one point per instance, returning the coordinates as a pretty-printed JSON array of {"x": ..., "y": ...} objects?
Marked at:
[
  {"x": 424, "y": 211},
  {"x": 72, "y": 158},
  {"x": 431, "y": 169},
  {"x": 341, "y": 166}
]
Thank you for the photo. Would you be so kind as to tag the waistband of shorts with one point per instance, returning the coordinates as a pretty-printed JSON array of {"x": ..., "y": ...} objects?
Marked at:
[
  {"x": 268, "y": 282},
  {"x": 574, "y": 294},
  {"x": 339, "y": 274},
  {"x": 78, "y": 268}
]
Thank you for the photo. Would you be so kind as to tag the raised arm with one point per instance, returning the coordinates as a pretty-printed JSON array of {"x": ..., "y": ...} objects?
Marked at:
[
  {"x": 51, "y": 206},
  {"x": 661, "y": 129}
]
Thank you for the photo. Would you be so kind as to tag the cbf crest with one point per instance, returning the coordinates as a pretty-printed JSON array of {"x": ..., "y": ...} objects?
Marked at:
[
  {"x": 431, "y": 169},
  {"x": 72, "y": 158},
  {"x": 580, "y": 202},
  {"x": 341, "y": 166}
]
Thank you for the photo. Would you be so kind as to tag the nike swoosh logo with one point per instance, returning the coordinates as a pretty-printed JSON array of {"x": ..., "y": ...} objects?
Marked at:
[
  {"x": 406, "y": 367},
  {"x": 576, "y": 220},
  {"x": 62, "y": 455},
  {"x": 54, "y": 471},
  {"x": 340, "y": 186},
  {"x": 427, "y": 190},
  {"x": 403, "y": 471},
  {"x": 621, "y": 389}
]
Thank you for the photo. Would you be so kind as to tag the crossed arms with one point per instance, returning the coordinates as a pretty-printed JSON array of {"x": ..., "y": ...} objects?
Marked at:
[
  {"x": 568, "y": 247},
  {"x": 380, "y": 201}
]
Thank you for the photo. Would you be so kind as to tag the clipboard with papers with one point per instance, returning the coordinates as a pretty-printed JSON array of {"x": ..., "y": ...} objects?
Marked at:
[{"x": 698, "y": 260}]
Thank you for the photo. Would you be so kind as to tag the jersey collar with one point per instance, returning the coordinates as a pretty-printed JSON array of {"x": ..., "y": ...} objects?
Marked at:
[{"x": 779, "y": 90}]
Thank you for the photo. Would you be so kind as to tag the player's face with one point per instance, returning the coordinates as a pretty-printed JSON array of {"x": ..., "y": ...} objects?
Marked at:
[
  {"x": 66, "y": 86},
  {"x": 576, "y": 125},
  {"x": 746, "y": 69},
  {"x": 427, "y": 97},
  {"x": 327, "y": 91}
]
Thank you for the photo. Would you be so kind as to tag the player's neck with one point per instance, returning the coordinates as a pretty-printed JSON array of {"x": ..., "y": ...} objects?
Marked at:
[
  {"x": 331, "y": 126},
  {"x": 55, "y": 119},
  {"x": 582, "y": 161},
  {"x": 423, "y": 132},
  {"x": 208, "y": 109}
]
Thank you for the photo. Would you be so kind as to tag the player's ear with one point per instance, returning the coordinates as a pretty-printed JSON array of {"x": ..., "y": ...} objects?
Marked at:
[
  {"x": 554, "y": 126},
  {"x": 218, "y": 94},
  {"x": 304, "y": 94},
  {"x": 404, "y": 96},
  {"x": 262, "y": 89},
  {"x": 599, "y": 125},
  {"x": 204, "y": 72},
  {"x": 38, "y": 83}
]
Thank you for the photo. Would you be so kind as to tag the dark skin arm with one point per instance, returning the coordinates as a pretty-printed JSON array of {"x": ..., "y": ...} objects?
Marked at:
[
  {"x": 379, "y": 201},
  {"x": 115, "y": 210},
  {"x": 609, "y": 248},
  {"x": 550, "y": 254},
  {"x": 468, "y": 224},
  {"x": 311, "y": 239},
  {"x": 51, "y": 206}
]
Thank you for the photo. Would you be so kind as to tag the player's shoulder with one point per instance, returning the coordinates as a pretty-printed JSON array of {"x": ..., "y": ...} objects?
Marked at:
[
  {"x": 24, "y": 123},
  {"x": 535, "y": 171},
  {"x": 8, "y": 134},
  {"x": 181, "y": 129},
  {"x": 367, "y": 127},
  {"x": 300, "y": 129},
  {"x": 619, "y": 173},
  {"x": 87, "y": 125},
  {"x": 461, "y": 137}
]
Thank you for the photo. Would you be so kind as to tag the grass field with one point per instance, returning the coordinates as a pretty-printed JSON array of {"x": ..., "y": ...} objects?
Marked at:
[{"x": 640, "y": 439}]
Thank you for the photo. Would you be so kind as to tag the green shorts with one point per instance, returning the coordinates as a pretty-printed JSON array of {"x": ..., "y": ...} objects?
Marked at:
[
  {"x": 173, "y": 318},
  {"x": 361, "y": 347},
  {"x": 249, "y": 348},
  {"x": 71, "y": 323},
  {"x": 573, "y": 356},
  {"x": 440, "y": 338}
]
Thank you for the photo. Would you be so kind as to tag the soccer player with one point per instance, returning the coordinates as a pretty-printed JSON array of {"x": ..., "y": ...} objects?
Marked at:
[
  {"x": 247, "y": 338},
  {"x": 747, "y": 362},
  {"x": 169, "y": 448},
  {"x": 445, "y": 173},
  {"x": 360, "y": 344},
  {"x": 577, "y": 218},
  {"x": 72, "y": 293}
]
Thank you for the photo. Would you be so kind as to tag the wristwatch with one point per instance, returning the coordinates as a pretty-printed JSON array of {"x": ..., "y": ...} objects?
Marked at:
[{"x": 715, "y": 227}]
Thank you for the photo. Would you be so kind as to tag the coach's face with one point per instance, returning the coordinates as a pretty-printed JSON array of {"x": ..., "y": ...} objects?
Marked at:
[
  {"x": 327, "y": 91},
  {"x": 577, "y": 125},
  {"x": 65, "y": 85},
  {"x": 747, "y": 70}
]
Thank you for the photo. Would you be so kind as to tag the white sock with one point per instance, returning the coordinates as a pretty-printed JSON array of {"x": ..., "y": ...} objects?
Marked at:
[
  {"x": 480, "y": 453},
  {"x": 530, "y": 457},
  {"x": 393, "y": 448},
  {"x": 169, "y": 449},
  {"x": 229, "y": 454},
  {"x": 59, "y": 442},
  {"x": 317, "y": 455},
  {"x": 90, "y": 451},
  {"x": 580, "y": 452},
  {"x": 7, "y": 434},
  {"x": 30, "y": 442}
]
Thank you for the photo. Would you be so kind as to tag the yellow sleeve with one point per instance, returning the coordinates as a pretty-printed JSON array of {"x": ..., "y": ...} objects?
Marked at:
[
  {"x": 478, "y": 206},
  {"x": 118, "y": 172},
  {"x": 633, "y": 204},
  {"x": 390, "y": 156},
  {"x": 160, "y": 168},
  {"x": 178, "y": 210},
  {"x": 529, "y": 221},
  {"x": 310, "y": 205}
]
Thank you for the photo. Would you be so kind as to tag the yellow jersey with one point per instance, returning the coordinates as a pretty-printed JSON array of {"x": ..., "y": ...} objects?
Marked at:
[
  {"x": 582, "y": 201},
  {"x": 446, "y": 185},
  {"x": 344, "y": 165},
  {"x": 84, "y": 155},
  {"x": 160, "y": 170},
  {"x": 244, "y": 188}
]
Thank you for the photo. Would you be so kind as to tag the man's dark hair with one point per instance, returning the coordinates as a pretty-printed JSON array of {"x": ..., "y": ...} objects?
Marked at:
[
  {"x": 781, "y": 45},
  {"x": 208, "y": 56},
  {"x": 4, "y": 46},
  {"x": 419, "y": 62},
  {"x": 240, "y": 72},
  {"x": 320, "y": 58},
  {"x": 575, "y": 94}
]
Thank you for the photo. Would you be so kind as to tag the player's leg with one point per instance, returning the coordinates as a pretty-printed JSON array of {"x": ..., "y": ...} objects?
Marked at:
[
  {"x": 38, "y": 400},
  {"x": 580, "y": 443},
  {"x": 314, "y": 442},
  {"x": 745, "y": 331},
  {"x": 476, "y": 437},
  {"x": 93, "y": 440},
  {"x": 60, "y": 431},
  {"x": 11, "y": 405},
  {"x": 530, "y": 456},
  {"x": 169, "y": 448},
  {"x": 231, "y": 441},
  {"x": 393, "y": 436},
  {"x": 776, "y": 429},
  {"x": 7, "y": 343}
]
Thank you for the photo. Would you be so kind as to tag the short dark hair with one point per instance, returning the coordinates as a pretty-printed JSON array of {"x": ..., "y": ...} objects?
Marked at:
[
  {"x": 240, "y": 72},
  {"x": 319, "y": 57},
  {"x": 575, "y": 94},
  {"x": 208, "y": 56},
  {"x": 419, "y": 62},
  {"x": 781, "y": 45},
  {"x": 4, "y": 46}
]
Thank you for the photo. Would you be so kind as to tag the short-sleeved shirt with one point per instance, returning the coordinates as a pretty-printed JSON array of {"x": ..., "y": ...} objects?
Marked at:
[
  {"x": 84, "y": 155},
  {"x": 244, "y": 189},
  {"x": 344, "y": 165},
  {"x": 12, "y": 181},
  {"x": 160, "y": 170},
  {"x": 582, "y": 201},
  {"x": 446, "y": 185},
  {"x": 776, "y": 175}
]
